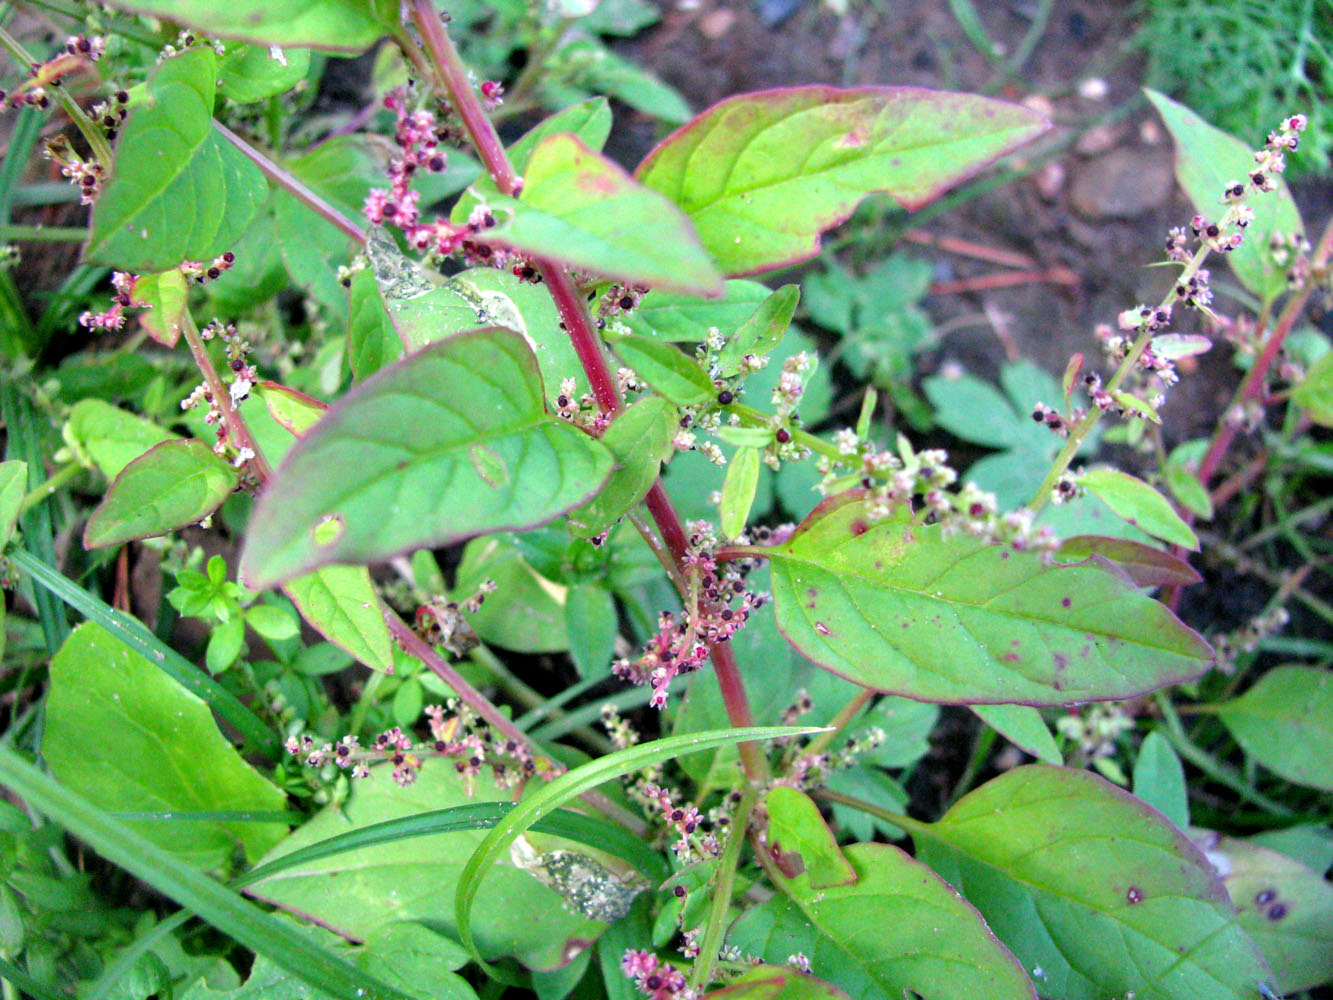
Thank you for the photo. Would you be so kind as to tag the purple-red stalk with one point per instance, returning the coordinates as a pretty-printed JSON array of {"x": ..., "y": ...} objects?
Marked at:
[{"x": 453, "y": 77}]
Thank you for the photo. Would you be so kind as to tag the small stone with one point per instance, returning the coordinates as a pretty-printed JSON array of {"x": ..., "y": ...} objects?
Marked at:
[
  {"x": 1049, "y": 180},
  {"x": 1123, "y": 184},
  {"x": 1094, "y": 88},
  {"x": 1096, "y": 140},
  {"x": 717, "y": 23},
  {"x": 1040, "y": 104}
]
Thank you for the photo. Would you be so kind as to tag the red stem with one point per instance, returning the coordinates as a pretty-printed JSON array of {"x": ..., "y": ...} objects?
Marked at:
[
  {"x": 454, "y": 78},
  {"x": 1253, "y": 385},
  {"x": 479, "y": 703},
  {"x": 292, "y": 186},
  {"x": 573, "y": 310}
]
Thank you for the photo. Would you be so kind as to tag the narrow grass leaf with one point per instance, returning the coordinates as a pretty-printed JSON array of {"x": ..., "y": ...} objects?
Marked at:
[
  {"x": 550, "y": 797},
  {"x": 219, "y": 906},
  {"x": 135, "y": 636}
]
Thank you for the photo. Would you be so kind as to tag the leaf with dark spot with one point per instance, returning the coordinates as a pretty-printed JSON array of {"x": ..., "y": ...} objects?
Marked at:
[{"x": 904, "y": 609}]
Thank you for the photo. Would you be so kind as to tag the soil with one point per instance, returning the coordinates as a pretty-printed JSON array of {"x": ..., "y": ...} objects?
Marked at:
[{"x": 1099, "y": 197}]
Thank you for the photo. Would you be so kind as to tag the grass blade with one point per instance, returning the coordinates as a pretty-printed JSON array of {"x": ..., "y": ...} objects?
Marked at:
[
  {"x": 137, "y": 637},
  {"x": 482, "y": 815},
  {"x": 215, "y": 903},
  {"x": 23, "y": 442},
  {"x": 573, "y": 783}
]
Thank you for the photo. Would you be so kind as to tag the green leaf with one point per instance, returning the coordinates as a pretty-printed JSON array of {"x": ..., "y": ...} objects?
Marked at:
[
  {"x": 581, "y": 209},
  {"x": 121, "y": 845},
  {"x": 1146, "y": 565},
  {"x": 688, "y": 318},
  {"x": 590, "y": 621},
  {"x": 1023, "y": 726},
  {"x": 1286, "y": 908},
  {"x": 332, "y": 25},
  {"x": 136, "y": 637},
  {"x": 1315, "y": 392},
  {"x": 112, "y": 438},
  {"x": 738, "y": 491},
  {"x": 541, "y": 626},
  {"x": 604, "y": 72},
  {"x": 640, "y": 438},
  {"x": 340, "y": 603},
  {"x": 589, "y": 122},
  {"x": 1139, "y": 504},
  {"x": 454, "y": 440},
  {"x": 1091, "y": 889},
  {"x": 667, "y": 369},
  {"x": 1285, "y": 722},
  {"x": 224, "y": 645},
  {"x": 898, "y": 930},
  {"x": 13, "y": 488},
  {"x": 1191, "y": 494},
  {"x": 1132, "y": 404},
  {"x": 294, "y": 410},
  {"x": 528, "y": 309},
  {"x": 769, "y": 982},
  {"x": 178, "y": 190},
  {"x": 762, "y": 175},
  {"x": 250, "y": 73},
  {"x": 363, "y": 891},
  {"x": 795, "y": 826},
  {"x": 906, "y": 610},
  {"x": 166, "y": 296},
  {"x": 1159, "y": 780},
  {"x": 127, "y": 737},
  {"x": 1207, "y": 159},
  {"x": 423, "y": 306},
  {"x": 342, "y": 170},
  {"x": 762, "y": 331},
  {"x": 372, "y": 339},
  {"x": 173, "y": 484},
  {"x": 550, "y": 797},
  {"x": 274, "y": 622}
]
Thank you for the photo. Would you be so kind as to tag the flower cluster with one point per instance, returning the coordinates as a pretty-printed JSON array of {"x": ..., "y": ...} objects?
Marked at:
[
  {"x": 33, "y": 91},
  {"x": 811, "y": 770},
  {"x": 419, "y": 135},
  {"x": 1246, "y": 639},
  {"x": 243, "y": 377},
  {"x": 126, "y": 285},
  {"x": 654, "y": 978},
  {"x": 1096, "y": 729},
  {"x": 455, "y": 734},
  {"x": 892, "y": 481},
  {"x": 113, "y": 317},
  {"x": 1154, "y": 365},
  {"x": 718, "y": 606},
  {"x": 693, "y": 842}
]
